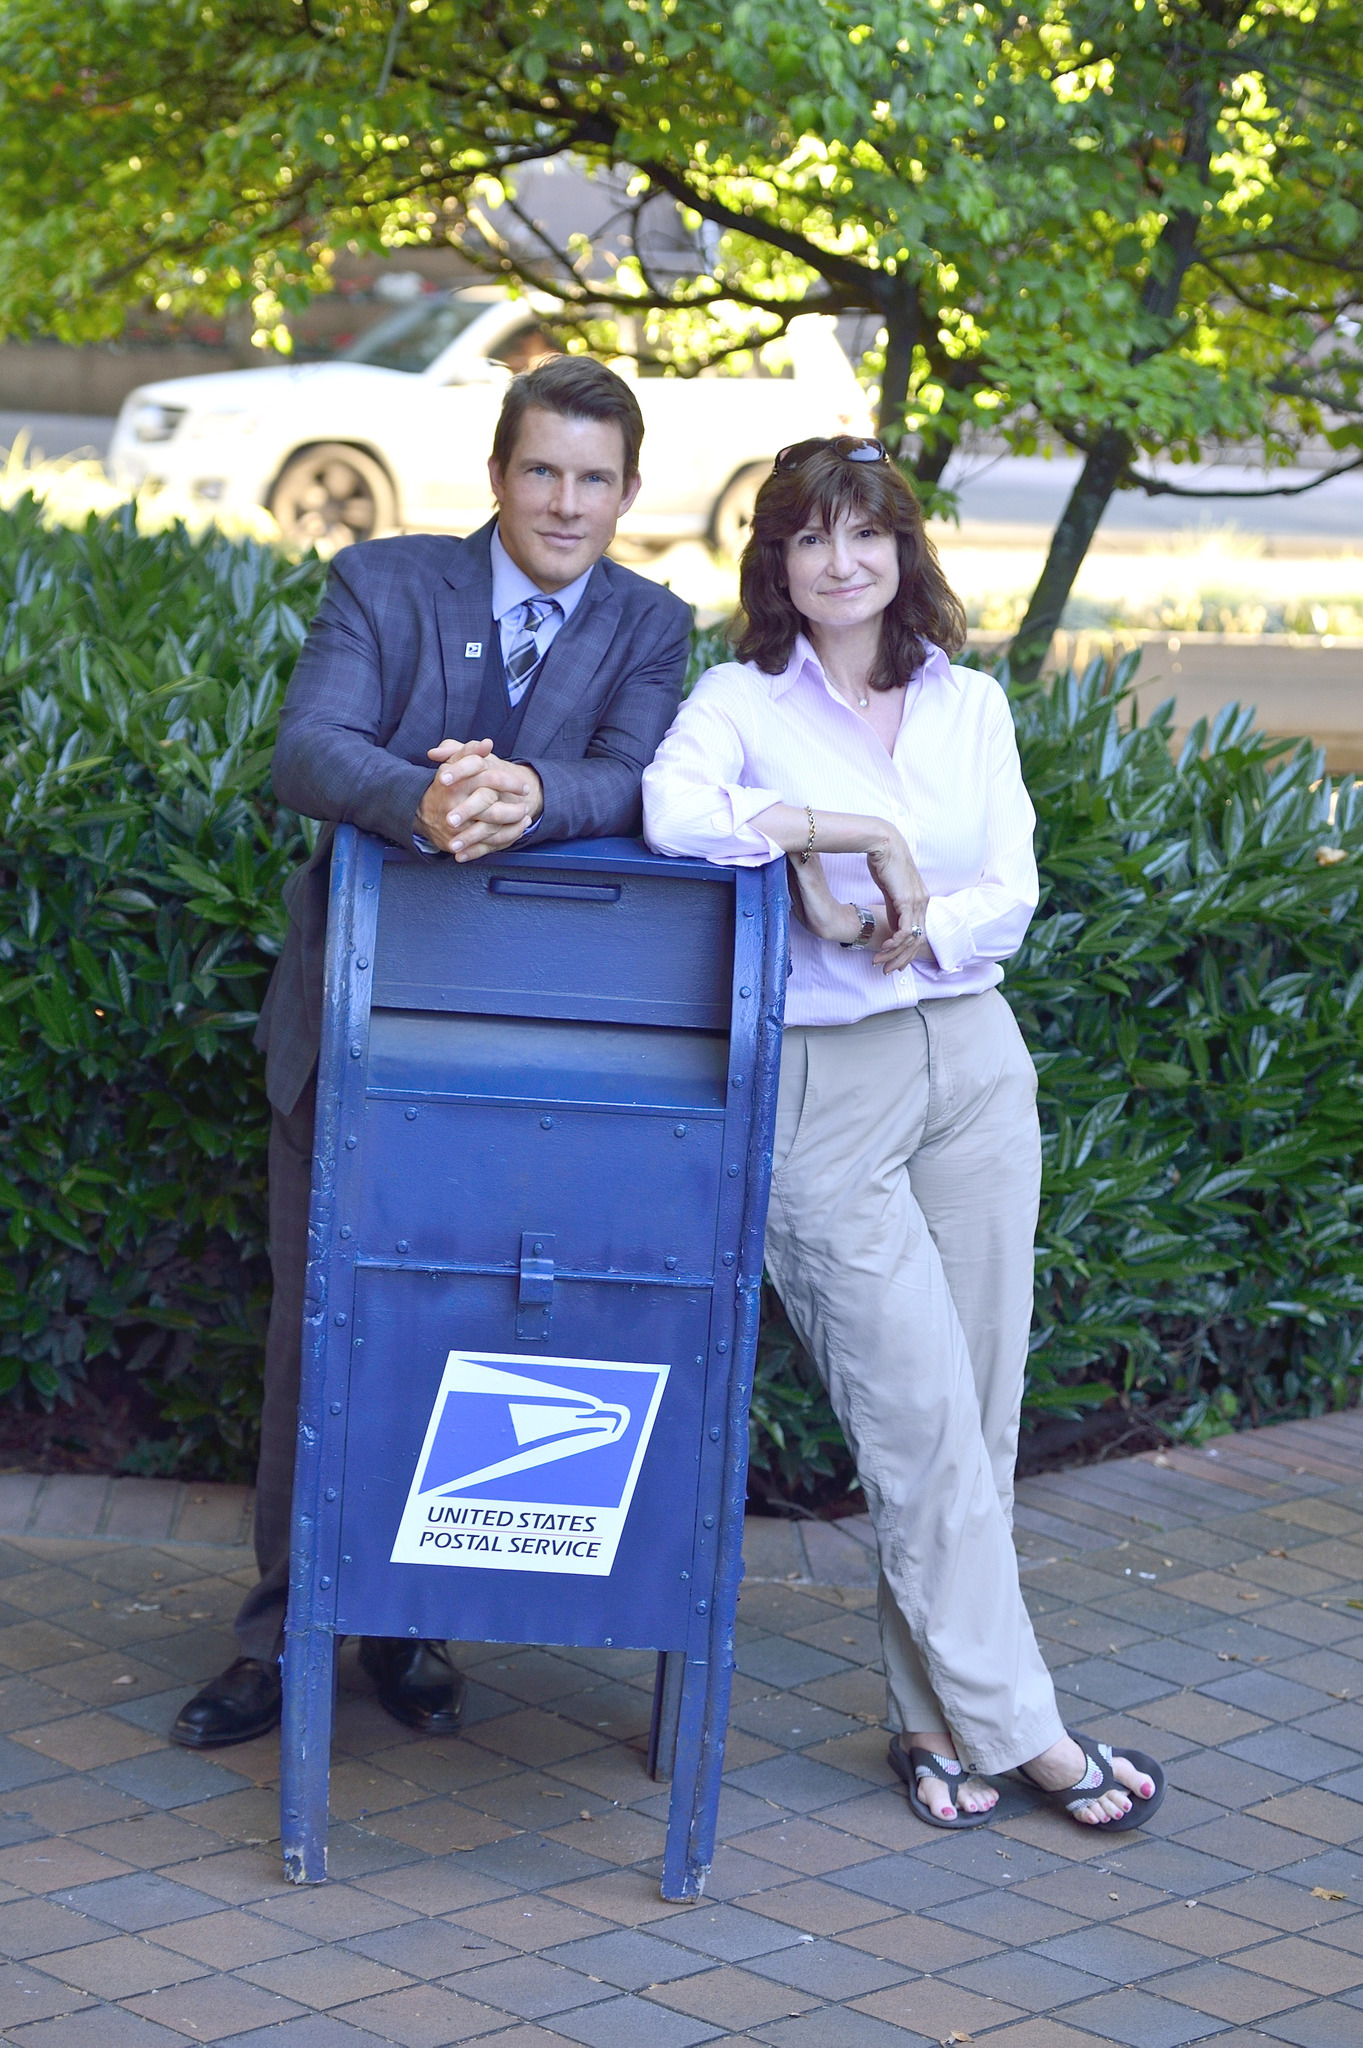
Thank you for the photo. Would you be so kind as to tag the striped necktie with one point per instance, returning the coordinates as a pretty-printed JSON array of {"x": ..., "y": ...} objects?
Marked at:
[{"x": 526, "y": 654}]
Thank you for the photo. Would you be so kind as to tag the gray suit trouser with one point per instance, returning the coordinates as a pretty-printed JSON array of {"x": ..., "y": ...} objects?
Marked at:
[{"x": 260, "y": 1620}]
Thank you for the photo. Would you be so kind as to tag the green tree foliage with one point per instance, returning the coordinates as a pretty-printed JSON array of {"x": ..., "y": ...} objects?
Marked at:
[
  {"x": 1190, "y": 989},
  {"x": 1126, "y": 226}
]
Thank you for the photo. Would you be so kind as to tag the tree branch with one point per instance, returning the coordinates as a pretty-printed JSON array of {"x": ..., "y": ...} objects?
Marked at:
[{"x": 1155, "y": 487}]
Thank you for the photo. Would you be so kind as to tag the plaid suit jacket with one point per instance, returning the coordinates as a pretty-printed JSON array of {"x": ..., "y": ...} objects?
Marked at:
[{"x": 393, "y": 664}]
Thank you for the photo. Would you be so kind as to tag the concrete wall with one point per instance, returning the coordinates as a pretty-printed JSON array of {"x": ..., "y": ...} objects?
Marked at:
[
  {"x": 1300, "y": 686},
  {"x": 47, "y": 377}
]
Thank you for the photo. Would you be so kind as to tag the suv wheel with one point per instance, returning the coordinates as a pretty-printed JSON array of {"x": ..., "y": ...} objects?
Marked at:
[
  {"x": 330, "y": 495},
  {"x": 731, "y": 520}
]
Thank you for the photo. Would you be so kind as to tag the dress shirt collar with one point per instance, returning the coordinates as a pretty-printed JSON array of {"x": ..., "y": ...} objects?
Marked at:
[
  {"x": 804, "y": 661},
  {"x": 511, "y": 586}
]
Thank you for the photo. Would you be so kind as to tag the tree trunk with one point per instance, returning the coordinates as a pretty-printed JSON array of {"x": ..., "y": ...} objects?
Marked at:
[
  {"x": 1069, "y": 544},
  {"x": 934, "y": 453},
  {"x": 1112, "y": 451},
  {"x": 901, "y": 339}
]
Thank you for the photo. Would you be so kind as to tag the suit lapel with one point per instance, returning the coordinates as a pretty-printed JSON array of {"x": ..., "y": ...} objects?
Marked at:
[
  {"x": 463, "y": 612},
  {"x": 571, "y": 665}
]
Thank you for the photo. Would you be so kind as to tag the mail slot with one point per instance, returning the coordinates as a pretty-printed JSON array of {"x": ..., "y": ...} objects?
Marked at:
[{"x": 544, "y": 1111}]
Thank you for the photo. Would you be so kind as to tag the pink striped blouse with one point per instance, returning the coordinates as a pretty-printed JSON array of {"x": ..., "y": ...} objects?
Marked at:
[{"x": 744, "y": 740}]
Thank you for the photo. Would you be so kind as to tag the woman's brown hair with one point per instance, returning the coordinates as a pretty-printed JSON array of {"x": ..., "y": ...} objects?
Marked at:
[{"x": 817, "y": 493}]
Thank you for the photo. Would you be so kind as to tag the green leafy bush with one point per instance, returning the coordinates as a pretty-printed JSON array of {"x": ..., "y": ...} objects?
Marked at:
[
  {"x": 140, "y": 677},
  {"x": 1190, "y": 988}
]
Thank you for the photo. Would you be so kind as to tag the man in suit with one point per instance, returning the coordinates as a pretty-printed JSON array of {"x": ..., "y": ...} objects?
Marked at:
[{"x": 559, "y": 672}]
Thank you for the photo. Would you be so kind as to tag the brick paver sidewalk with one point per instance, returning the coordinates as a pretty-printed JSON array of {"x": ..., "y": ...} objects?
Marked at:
[{"x": 503, "y": 1886}]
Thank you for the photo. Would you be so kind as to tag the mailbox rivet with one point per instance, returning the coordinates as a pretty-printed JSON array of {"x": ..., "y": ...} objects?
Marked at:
[
  {"x": 728, "y": 1258},
  {"x": 608, "y": 1640},
  {"x": 331, "y": 1493},
  {"x": 546, "y": 1123},
  {"x": 709, "y": 1522},
  {"x": 702, "y": 1606},
  {"x": 685, "y": 1577},
  {"x": 346, "y": 1230},
  {"x": 670, "y": 1263},
  {"x": 324, "y": 1582},
  {"x": 356, "y": 1049},
  {"x": 539, "y": 1247},
  {"x": 742, "y": 991},
  {"x": 362, "y": 963},
  {"x": 352, "y": 1141},
  {"x": 369, "y": 885},
  {"x": 714, "y": 1436},
  {"x": 412, "y": 1631},
  {"x": 347, "y": 1560},
  {"x": 733, "y": 1170},
  {"x": 679, "y": 1130},
  {"x": 410, "y": 1115},
  {"x": 738, "y": 1080},
  {"x": 403, "y": 1245},
  {"x": 335, "y": 1407},
  {"x": 340, "y": 1320},
  {"x": 722, "y": 1346}
]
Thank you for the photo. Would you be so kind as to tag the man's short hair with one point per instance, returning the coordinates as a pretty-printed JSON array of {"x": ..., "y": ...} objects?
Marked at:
[{"x": 577, "y": 388}]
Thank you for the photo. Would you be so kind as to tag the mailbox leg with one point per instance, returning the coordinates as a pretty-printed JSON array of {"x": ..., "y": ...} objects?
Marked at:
[
  {"x": 694, "y": 1807},
  {"x": 667, "y": 1691},
  {"x": 305, "y": 1753}
]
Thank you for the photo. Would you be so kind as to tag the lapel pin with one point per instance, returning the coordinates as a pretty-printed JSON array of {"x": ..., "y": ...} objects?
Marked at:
[{"x": 472, "y": 649}]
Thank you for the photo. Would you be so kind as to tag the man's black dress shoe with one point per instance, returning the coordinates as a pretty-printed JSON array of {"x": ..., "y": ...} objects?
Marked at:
[
  {"x": 415, "y": 1681},
  {"x": 241, "y": 1702}
]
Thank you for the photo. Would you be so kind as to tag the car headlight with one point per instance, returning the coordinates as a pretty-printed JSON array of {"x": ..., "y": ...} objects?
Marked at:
[{"x": 152, "y": 422}]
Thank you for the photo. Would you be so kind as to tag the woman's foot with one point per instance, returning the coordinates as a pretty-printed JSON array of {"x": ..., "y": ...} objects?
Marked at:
[
  {"x": 1064, "y": 1767},
  {"x": 946, "y": 1797}
]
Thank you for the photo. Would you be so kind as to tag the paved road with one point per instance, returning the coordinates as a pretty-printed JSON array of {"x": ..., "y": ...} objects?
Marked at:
[{"x": 58, "y": 433}]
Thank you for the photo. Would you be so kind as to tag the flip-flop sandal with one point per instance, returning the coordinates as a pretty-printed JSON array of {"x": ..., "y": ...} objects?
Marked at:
[
  {"x": 913, "y": 1764},
  {"x": 1070, "y": 1798}
]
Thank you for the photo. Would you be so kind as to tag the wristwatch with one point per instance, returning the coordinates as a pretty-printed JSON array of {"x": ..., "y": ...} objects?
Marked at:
[{"x": 867, "y": 932}]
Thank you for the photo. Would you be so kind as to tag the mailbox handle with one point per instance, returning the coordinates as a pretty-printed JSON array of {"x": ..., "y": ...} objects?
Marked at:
[
  {"x": 535, "y": 1295},
  {"x": 573, "y": 892}
]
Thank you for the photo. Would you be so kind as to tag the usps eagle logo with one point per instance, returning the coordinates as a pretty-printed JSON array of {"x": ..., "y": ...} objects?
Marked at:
[{"x": 529, "y": 1464}]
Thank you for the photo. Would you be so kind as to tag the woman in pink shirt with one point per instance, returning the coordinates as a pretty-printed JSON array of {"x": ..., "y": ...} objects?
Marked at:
[{"x": 907, "y": 1160}]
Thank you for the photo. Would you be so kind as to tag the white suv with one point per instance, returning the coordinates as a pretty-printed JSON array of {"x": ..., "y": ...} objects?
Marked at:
[{"x": 394, "y": 434}]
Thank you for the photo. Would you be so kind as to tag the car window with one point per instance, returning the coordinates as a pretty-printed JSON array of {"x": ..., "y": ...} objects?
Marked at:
[
  {"x": 525, "y": 346},
  {"x": 412, "y": 339}
]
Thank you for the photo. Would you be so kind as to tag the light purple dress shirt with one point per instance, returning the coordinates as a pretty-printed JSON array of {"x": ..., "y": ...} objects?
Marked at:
[{"x": 744, "y": 740}]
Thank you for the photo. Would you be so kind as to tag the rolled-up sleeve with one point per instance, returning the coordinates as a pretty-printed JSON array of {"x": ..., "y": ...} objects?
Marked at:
[
  {"x": 988, "y": 920},
  {"x": 695, "y": 804}
]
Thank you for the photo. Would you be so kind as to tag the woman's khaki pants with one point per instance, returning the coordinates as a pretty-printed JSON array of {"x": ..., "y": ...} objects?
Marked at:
[{"x": 903, "y": 1210}]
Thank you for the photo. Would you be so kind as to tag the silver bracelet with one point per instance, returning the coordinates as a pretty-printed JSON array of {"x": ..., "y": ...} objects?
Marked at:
[{"x": 867, "y": 932}]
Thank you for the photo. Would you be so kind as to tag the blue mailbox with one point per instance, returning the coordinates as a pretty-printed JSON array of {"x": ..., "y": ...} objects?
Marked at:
[{"x": 544, "y": 1118}]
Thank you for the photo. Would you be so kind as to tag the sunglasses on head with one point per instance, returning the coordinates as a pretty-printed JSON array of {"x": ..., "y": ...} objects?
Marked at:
[{"x": 846, "y": 445}]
